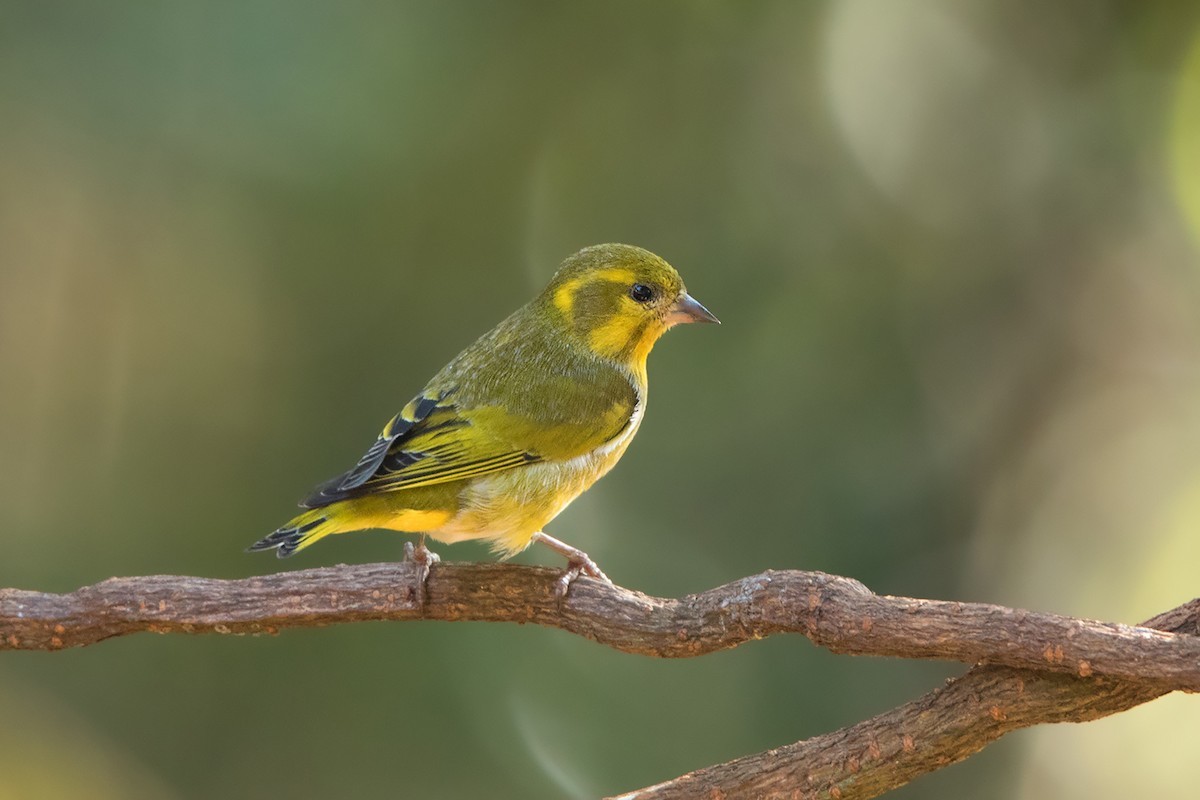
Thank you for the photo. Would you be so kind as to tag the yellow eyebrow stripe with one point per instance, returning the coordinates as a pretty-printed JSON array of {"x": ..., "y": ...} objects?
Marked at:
[{"x": 564, "y": 296}]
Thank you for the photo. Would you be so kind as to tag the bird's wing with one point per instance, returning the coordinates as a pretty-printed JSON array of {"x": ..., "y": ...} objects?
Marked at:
[{"x": 438, "y": 438}]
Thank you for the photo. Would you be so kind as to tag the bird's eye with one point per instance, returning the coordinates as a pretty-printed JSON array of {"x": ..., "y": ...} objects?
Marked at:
[{"x": 641, "y": 292}]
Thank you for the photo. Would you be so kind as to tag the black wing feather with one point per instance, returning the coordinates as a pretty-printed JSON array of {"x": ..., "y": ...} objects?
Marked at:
[{"x": 401, "y": 425}]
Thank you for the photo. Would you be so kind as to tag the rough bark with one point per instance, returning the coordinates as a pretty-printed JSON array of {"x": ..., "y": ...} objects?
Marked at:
[
  {"x": 941, "y": 728},
  {"x": 1033, "y": 667}
]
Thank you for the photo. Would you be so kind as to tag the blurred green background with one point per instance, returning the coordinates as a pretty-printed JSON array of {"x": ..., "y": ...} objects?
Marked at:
[{"x": 954, "y": 246}]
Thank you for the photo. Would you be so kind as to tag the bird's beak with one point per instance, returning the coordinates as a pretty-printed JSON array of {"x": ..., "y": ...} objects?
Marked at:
[{"x": 687, "y": 309}]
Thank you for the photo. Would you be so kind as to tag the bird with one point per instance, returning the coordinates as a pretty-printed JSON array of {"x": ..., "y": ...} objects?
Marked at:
[{"x": 518, "y": 424}]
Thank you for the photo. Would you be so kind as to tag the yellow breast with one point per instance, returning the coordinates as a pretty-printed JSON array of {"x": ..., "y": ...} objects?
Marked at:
[{"x": 507, "y": 508}]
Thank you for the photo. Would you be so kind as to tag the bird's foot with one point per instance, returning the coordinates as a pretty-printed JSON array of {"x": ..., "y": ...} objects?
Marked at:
[
  {"x": 423, "y": 558},
  {"x": 578, "y": 563}
]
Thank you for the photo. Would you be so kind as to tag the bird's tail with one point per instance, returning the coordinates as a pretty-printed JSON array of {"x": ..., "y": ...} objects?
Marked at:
[{"x": 300, "y": 532}]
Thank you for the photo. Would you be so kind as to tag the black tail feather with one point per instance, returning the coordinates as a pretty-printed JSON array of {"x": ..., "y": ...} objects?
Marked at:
[{"x": 286, "y": 540}]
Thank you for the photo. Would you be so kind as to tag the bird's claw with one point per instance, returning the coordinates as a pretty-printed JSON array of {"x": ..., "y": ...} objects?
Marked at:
[
  {"x": 575, "y": 568},
  {"x": 423, "y": 558},
  {"x": 578, "y": 563}
]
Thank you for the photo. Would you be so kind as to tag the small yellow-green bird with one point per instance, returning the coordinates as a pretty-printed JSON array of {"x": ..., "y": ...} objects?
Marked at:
[{"x": 517, "y": 425}]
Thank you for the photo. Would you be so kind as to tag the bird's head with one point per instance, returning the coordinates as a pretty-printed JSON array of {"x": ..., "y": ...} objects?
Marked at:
[{"x": 619, "y": 299}]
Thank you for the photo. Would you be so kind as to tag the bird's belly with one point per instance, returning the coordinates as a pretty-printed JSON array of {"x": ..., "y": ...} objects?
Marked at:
[{"x": 508, "y": 507}]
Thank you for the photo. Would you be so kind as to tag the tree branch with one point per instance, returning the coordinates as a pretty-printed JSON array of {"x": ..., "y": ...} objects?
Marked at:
[
  {"x": 1054, "y": 668},
  {"x": 837, "y": 613},
  {"x": 941, "y": 728}
]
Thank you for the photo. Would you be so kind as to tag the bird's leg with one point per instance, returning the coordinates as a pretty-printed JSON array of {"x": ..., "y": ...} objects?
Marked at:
[
  {"x": 578, "y": 563},
  {"x": 423, "y": 557}
]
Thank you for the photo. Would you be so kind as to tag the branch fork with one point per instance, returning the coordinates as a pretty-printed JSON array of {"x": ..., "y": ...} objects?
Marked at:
[{"x": 1028, "y": 667}]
